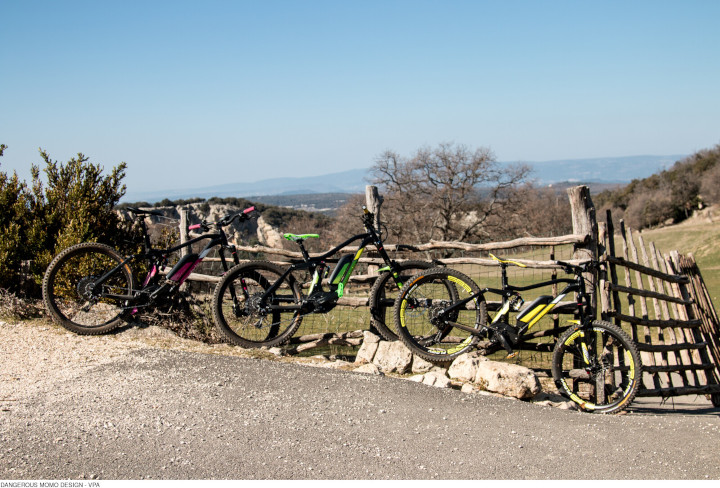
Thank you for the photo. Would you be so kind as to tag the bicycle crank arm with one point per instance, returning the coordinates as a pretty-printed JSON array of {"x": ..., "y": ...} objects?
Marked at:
[{"x": 467, "y": 328}]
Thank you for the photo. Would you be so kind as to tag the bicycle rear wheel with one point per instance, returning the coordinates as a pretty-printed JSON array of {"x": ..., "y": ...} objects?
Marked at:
[
  {"x": 383, "y": 294},
  {"x": 243, "y": 320},
  {"x": 598, "y": 367},
  {"x": 72, "y": 297},
  {"x": 422, "y": 323}
]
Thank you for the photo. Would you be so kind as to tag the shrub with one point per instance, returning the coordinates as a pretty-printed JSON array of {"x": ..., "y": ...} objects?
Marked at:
[{"x": 76, "y": 205}]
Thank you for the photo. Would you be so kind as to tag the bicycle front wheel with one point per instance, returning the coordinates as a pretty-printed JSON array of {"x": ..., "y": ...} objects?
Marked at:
[
  {"x": 598, "y": 367},
  {"x": 425, "y": 321},
  {"x": 71, "y": 294},
  {"x": 241, "y": 317},
  {"x": 383, "y": 294}
]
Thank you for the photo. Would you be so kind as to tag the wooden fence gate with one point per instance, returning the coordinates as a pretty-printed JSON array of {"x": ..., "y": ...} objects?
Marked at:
[{"x": 678, "y": 335}]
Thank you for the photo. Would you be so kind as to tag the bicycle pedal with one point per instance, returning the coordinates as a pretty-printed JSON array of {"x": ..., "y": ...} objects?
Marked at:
[{"x": 511, "y": 355}]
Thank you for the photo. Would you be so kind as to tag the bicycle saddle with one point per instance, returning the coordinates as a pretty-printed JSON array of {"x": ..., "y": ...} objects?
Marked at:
[
  {"x": 299, "y": 237},
  {"x": 506, "y": 261}
]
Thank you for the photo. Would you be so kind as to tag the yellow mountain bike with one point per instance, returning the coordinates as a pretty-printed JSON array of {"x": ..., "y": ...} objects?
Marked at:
[{"x": 442, "y": 313}]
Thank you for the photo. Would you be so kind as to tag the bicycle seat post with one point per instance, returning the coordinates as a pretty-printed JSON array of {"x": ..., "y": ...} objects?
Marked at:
[
  {"x": 503, "y": 268},
  {"x": 146, "y": 237},
  {"x": 304, "y": 252}
]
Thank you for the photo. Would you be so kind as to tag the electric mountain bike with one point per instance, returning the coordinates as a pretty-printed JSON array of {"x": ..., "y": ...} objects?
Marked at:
[
  {"x": 594, "y": 363},
  {"x": 89, "y": 288},
  {"x": 262, "y": 304}
]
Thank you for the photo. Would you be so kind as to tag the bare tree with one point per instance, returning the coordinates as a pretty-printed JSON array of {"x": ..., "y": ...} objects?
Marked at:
[{"x": 446, "y": 193}]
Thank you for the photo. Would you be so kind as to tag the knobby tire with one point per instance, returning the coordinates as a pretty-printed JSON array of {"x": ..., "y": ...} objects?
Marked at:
[
  {"x": 598, "y": 367},
  {"x": 418, "y": 324},
  {"x": 240, "y": 319},
  {"x": 67, "y": 289}
]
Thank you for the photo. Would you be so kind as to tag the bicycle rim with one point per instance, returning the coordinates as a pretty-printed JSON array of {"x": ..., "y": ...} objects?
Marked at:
[
  {"x": 72, "y": 297},
  {"x": 597, "y": 367},
  {"x": 419, "y": 321},
  {"x": 239, "y": 314}
]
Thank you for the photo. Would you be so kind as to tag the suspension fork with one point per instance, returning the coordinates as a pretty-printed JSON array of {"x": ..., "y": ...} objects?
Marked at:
[{"x": 390, "y": 265}]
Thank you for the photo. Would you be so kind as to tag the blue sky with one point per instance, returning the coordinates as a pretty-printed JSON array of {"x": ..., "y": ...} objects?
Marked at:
[{"x": 193, "y": 94}]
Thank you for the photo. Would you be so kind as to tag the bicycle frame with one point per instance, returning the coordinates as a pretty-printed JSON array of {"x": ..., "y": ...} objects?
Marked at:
[
  {"x": 532, "y": 316},
  {"x": 180, "y": 272},
  {"x": 312, "y": 263}
]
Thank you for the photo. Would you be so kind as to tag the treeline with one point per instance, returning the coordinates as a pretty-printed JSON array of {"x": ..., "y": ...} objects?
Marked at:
[{"x": 669, "y": 196}]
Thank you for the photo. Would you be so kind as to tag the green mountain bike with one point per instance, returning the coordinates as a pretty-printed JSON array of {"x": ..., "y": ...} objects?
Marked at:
[
  {"x": 262, "y": 304},
  {"x": 442, "y": 313}
]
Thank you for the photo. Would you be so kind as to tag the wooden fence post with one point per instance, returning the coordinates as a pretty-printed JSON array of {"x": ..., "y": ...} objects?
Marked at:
[
  {"x": 373, "y": 201},
  {"x": 585, "y": 223},
  {"x": 183, "y": 231}
]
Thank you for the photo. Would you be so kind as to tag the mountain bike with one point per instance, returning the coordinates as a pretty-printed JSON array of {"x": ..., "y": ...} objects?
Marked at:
[
  {"x": 261, "y": 304},
  {"x": 594, "y": 363},
  {"x": 89, "y": 288}
]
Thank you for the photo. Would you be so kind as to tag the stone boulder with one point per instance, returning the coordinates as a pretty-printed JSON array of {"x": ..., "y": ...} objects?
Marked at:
[
  {"x": 433, "y": 378},
  {"x": 369, "y": 368},
  {"x": 368, "y": 348},
  {"x": 420, "y": 366},
  {"x": 465, "y": 367},
  {"x": 506, "y": 379},
  {"x": 393, "y": 357}
]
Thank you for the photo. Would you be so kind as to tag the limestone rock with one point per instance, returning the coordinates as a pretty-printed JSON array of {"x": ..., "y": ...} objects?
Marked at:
[
  {"x": 369, "y": 368},
  {"x": 436, "y": 379},
  {"x": 368, "y": 348},
  {"x": 276, "y": 351},
  {"x": 419, "y": 365},
  {"x": 554, "y": 400},
  {"x": 268, "y": 235},
  {"x": 433, "y": 378},
  {"x": 370, "y": 337},
  {"x": 465, "y": 367},
  {"x": 393, "y": 357},
  {"x": 506, "y": 379}
]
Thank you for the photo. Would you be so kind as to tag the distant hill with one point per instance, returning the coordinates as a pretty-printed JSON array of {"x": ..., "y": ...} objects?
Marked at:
[
  {"x": 601, "y": 170},
  {"x": 352, "y": 181},
  {"x": 326, "y": 203},
  {"x": 596, "y": 170}
]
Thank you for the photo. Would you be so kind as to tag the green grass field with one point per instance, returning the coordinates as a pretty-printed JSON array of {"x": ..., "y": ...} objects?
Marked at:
[{"x": 698, "y": 236}]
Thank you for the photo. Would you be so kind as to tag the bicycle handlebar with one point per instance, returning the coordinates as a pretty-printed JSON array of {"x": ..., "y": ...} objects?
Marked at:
[
  {"x": 368, "y": 217},
  {"x": 578, "y": 268},
  {"x": 225, "y": 221}
]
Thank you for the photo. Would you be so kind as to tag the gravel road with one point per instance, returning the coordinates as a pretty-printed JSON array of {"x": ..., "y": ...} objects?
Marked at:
[{"x": 141, "y": 404}]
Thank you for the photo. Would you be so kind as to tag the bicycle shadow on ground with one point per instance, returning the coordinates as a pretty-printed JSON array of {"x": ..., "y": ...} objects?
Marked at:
[{"x": 697, "y": 405}]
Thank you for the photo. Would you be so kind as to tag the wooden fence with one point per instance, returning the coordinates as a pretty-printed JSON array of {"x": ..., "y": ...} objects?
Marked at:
[{"x": 677, "y": 336}]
